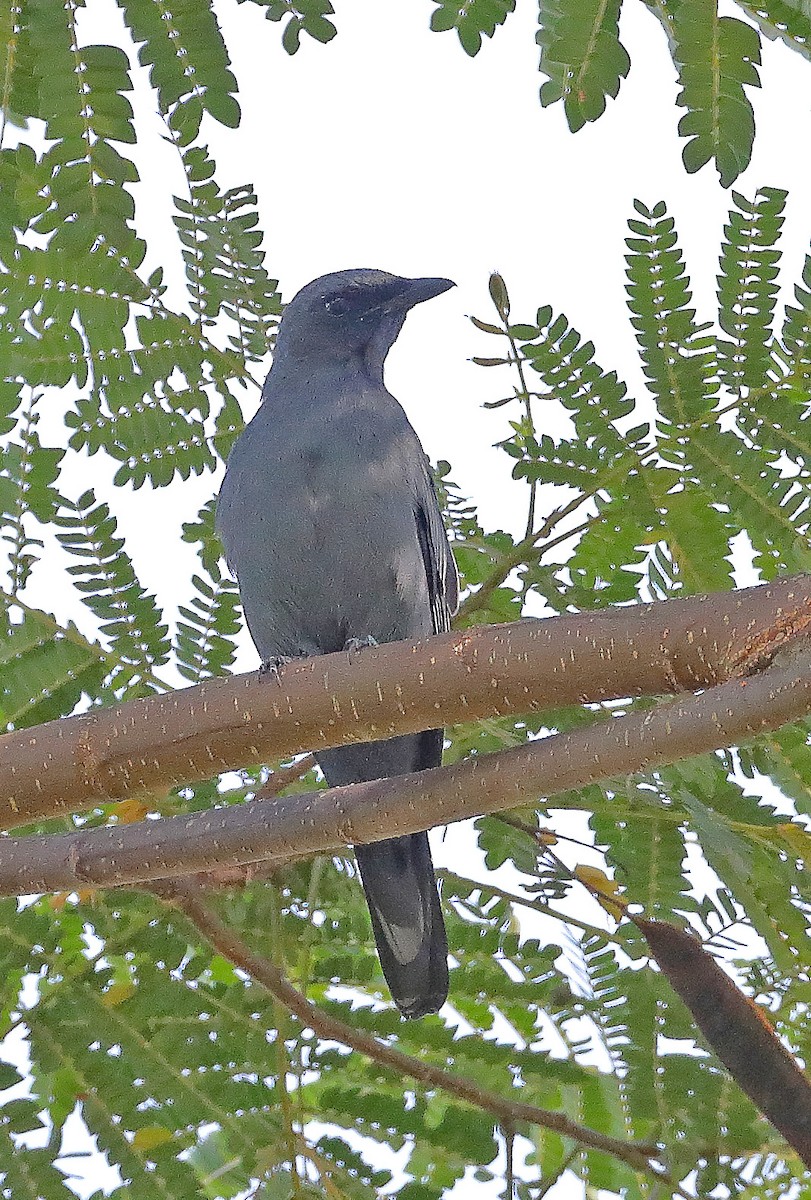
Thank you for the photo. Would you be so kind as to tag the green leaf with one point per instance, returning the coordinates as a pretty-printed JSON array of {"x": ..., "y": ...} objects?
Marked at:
[
  {"x": 45, "y": 670},
  {"x": 224, "y": 262},
  {"x": 677, "y": 357},
  {"x": 747, "y": 288},
  {"x": 582, "y": 56},
  {"x": 785, "y": 19},
  {"x": 717, "y": 58},
  {"x": 472, "y": 20},
  {"x": 105, "y": 577},
  {"x": 303, "y": 16},
  {"x": 187, "y": 59}
]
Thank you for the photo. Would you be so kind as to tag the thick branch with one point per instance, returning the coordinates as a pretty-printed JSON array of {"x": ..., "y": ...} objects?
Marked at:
[
  {"x": 329, "y": 1028},
  {"x": 223, "y": 724},
  {"x": 314, "y": 822},
  {"x": 738, "y": 1031}
]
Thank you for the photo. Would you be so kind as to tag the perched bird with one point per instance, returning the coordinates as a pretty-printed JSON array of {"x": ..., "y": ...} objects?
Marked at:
[{"x": 330, "y": 522}]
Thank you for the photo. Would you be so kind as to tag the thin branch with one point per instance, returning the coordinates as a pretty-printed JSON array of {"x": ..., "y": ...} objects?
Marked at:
[
  {"x": 282, "y": 777},
  {"x": 225, "y": 724},
  {"x": 522, "y": 393},
  {"x": 523, "y": 902},
  {"x": 551, "y": 1180},
  {"x": 525, "y": 549},
  {"x": 322, "y": 822},
  {"x": 330, "y": 1028}
]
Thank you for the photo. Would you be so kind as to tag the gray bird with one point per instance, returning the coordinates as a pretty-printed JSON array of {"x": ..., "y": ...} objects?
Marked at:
[{"x": 331, "y": 524}]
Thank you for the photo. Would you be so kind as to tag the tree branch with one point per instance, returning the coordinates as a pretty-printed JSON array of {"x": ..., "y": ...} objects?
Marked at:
[
  {"x": 165, "y": 741},
  {"x": 317, "y": 822},
  {"x": 738, "y": 1031},
  {"x": 521, "y": 553},
  {"x": 329, "y": 1028}
]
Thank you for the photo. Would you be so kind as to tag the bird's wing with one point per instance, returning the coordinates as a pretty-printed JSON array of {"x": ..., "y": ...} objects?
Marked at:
[{"x": 440, "y": 567}]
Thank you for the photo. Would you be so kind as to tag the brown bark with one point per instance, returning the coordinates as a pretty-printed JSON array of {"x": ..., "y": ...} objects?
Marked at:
[
  {"x": 737, "y": 1031},
  {"x": 283, "y": 827},
  {"x": 223, "y": 724}
]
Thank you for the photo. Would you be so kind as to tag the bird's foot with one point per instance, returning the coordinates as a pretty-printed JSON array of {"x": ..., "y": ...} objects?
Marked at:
[
  {"x": 274, "y": 666},
  {"x": 354, "y": 644}
]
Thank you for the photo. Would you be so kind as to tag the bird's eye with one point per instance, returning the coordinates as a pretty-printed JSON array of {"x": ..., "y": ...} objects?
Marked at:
[{"x": 336, "y": 306}]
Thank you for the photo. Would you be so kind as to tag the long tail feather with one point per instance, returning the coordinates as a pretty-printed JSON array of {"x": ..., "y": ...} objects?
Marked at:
[{"x": 398, "y": 876}]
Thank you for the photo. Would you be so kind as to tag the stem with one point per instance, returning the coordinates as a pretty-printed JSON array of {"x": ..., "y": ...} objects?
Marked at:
[
  {"x": 507, "y": 1112},
  {"x": 280, "y": 1019},
  {"x": 524, "y": 394},
  {"x": 522, "y": 550},
  {"x": 523, "y": 901}
]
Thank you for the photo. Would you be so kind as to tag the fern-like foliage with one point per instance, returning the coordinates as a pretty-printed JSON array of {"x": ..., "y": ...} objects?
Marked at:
[
  {"x": 593, "y": 399},
  {"x": 45, "y": 669},
  {"x": 223, "y": 261},
  {"x": 182, "y": 46},
  {"x": 676, "y": 353},
  {"x": 175, "y": 1041},
  {"x": 472, "y": 20},
  {"x": 676, "y": 526},
  {"x": 583, "y": 57},
  {"x": 88, "y": 333},
  {"x": 310, "y": 17},
  {"x": 128, "y": 615},
  {"x": 79, "y": 92},
  {"x": 717, "y": 57},
  {"x": 747, "y": 289},
  {"x": 210, "y": 622},
  {"x": 784, "y": 19},
  {"x": 668, "y": 485},
  {"x": 207, "y": 627},
  {"x": 27, "y": 495}
]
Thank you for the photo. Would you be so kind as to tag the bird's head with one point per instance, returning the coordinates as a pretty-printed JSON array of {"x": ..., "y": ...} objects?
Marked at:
[{"x": 351, "y": 314}]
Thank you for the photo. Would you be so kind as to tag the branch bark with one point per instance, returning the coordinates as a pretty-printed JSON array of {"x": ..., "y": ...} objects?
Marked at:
[
  {"x": 182, "y": 737},
  {"x": 737, "y": 1030},
  {"x": 327, "y": 1027},
  {"x": 315, "y": 822}
]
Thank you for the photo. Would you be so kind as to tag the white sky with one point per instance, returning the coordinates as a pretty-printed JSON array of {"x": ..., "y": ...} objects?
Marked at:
[{"x": 391, "y": 148}]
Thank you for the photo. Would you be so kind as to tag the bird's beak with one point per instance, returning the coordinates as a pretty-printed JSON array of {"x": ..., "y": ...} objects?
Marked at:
[
  {"x": 417, "y": 290},
  {"x": 391, "y": 314}
]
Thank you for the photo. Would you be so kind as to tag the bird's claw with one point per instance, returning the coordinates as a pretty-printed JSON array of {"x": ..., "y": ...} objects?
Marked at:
[
  {"x": 274, "y": 666},
  {"x": 354, "y": 644}
]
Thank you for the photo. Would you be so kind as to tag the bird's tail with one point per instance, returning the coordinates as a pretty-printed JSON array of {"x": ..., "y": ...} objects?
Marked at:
[{"x": 398, "y": 878}]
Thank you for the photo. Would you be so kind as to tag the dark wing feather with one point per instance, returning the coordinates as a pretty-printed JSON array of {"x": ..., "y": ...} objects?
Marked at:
[{"x": 440, "y": 567}]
